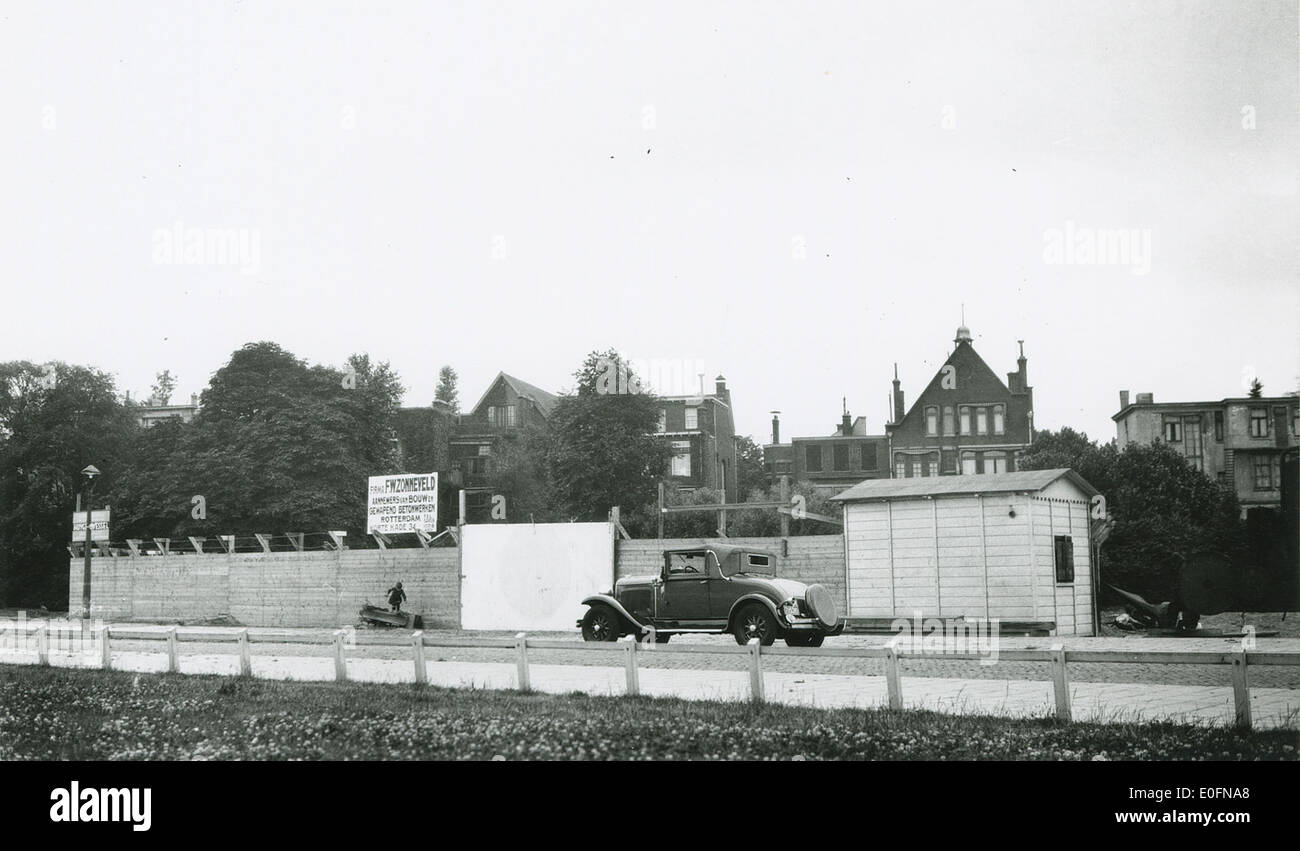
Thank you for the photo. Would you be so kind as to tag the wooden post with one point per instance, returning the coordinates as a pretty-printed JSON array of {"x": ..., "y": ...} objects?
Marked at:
[
  {"x": 1060, "y": 683},
  {"x": 197, "y": 544},
  {"x": 633, "y": 675},
  {"x": 173, "y": 659},
  {"x": 340, "y": 659},
  {"x": 1241, "y": 689},
  {"x": 297, "y": 539},
  {"x": 521, "y": 645},
  {"x": 417, "y": 644},
  {"x": 264, "y": 540},
  {"x": 892, "y": 680},
  {"x": 755, "y": 671},
  {"x": 461, "y": 506},
  {"x": 105, "y": 650},
  {"x": 42, "y": 644},
  {"x": 785, "y": 501},
  {"x": 245, "y": 658}
]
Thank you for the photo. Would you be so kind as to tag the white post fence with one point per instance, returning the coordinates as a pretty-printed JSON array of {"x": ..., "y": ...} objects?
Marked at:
[{"x": 1057, "y": 657}]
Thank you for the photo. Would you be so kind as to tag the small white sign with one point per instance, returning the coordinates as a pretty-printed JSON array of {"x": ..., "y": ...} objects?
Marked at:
[{"x": 98, "y": 527}]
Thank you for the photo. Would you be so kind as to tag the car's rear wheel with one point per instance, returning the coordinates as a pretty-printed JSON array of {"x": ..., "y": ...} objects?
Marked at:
[
  {"x": 814, "y": 639},
  {"x": 601, "y": 623},
  {"x": 755, "y": 621}
]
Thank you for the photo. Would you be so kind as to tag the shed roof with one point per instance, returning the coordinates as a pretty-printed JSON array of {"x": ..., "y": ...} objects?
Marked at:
[{"x": 1020, "y": 481}]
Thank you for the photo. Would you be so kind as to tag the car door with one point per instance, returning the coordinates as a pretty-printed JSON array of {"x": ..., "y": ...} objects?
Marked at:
[
  {"x": 724, "y": 593},
  {"x": 682, "y": 595}
]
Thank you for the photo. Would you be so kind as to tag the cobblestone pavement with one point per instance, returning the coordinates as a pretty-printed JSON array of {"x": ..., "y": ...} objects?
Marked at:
[{"x": 1099, "y": 691}]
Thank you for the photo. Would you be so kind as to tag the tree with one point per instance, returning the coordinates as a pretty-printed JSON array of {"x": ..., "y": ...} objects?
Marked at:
[
  {"x": 1164, "y": 509},
  {"x": 1071, "y": 449},
  {"x": 603, "y": 450},
  {"x": 1256, "y": 389},
  {"x": 750, "y": 474},
  {"x": 517, "y": 471},
  {"x": 52, "y": 424},
  {"x": 163, "y": 388},
  {"x": 446, "y": 390},
  {"x": 277, "y": 446}
]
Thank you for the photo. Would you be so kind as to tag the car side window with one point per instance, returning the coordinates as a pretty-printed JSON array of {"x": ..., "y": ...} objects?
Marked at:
[{"x": 686, "y": 565}]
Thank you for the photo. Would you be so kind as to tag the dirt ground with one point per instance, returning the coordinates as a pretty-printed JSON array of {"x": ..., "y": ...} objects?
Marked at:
[{"x": 1284, "y": 624}]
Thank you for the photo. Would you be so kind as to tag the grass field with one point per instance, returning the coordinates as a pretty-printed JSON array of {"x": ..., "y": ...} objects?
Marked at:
[{"x": 52, "y": 713}]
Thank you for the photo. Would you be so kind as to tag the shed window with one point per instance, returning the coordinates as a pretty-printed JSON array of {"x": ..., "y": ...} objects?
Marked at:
[{"x": 1064, "y": 559}]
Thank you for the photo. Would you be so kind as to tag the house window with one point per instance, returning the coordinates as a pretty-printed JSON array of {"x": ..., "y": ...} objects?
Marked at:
[
  {"x": 840, "y": 457},
  {"x": 932, "y": 421},
  {"x": 484, "y": 449},
  {"x": 1064, "y": 558},
  {"x": 509, "y": 411},
  {"x": 1259, "y": 422},
  {"x": 931, "y": 464},
  {"x": 981, "y": 420},
  {"x": 1218, "y": 426},
  {"x": 1173, "y": 431},
  {"x": 681, "y": 458},
  {"x": 968, "y": 464},
  {"x": 692, "y": 419},
  {"x": 663, "y": 420},
  {"x": 965, "y": 420},
  {"x": 900, "y": 466},
  {"x": 995, "y": 462},
  {"x": 999, "y": 419},
  {"x": 813, "y": 459},
  {"x": 1262, "y": 468},
  {"x": 492, "y": 415},
  {"x": 869, "y": 459},
  {"x": 949, "y": 421}
]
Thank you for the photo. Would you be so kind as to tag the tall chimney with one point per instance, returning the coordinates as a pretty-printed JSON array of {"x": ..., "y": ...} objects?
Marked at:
[
  {"x": 898, "y": 397},
  {"x": 1123, "y": 399},
  {"x": 846, "y": 422},
  {"x": 1022, "y": 363},
  {"x": 776, "y": 426},
  {"x": 720, "y": 388}
]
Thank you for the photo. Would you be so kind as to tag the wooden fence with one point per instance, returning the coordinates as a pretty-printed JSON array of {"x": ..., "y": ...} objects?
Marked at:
[{"x": 348, "y": 637}]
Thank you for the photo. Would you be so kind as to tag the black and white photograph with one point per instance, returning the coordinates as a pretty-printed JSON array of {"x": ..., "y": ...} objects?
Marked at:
[{"x": 428, "y": 382}]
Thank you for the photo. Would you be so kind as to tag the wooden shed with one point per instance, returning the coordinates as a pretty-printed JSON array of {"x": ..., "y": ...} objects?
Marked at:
[{"x": 1012, "y": 546}]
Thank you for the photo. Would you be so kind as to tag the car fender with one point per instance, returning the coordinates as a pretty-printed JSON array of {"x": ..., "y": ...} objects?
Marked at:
[
  {"x": 746, "y": 600},
  {"x": 615, "y": 605}
]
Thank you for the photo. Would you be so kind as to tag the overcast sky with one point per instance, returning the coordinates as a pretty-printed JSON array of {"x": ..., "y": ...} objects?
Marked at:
[{"x": 795, "y": 195}]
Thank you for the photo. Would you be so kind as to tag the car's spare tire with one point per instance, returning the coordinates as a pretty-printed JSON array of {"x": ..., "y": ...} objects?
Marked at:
[{"x": 821, "y": 605}]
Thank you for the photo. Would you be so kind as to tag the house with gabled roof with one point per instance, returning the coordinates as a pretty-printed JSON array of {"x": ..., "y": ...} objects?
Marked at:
[
  {"x": 508, "y": 408},
  {"x": 966, "y": 421}
]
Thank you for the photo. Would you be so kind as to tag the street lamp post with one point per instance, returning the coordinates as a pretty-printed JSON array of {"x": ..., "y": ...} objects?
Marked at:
[{"x": 90, "y": 473}]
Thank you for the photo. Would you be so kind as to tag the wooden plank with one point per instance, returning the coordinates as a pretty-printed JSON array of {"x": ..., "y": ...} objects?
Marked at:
[
  {"x": 633, "y": 675},
  {"x": 340, "y": 658},
  {"x": 521, "y": 661},
  {"x": 421, "y": 669},
  {"x": 245, "y": 658},
  {"x": 1241, "y": 690},
  {"x": 892, "y": 680},
  {"x": 755, "y": 649},
  {"x": 1060, "y": 683}
]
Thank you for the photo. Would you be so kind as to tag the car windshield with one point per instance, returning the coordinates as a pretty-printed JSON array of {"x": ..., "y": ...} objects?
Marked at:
[{"x": 749, "y": 563}]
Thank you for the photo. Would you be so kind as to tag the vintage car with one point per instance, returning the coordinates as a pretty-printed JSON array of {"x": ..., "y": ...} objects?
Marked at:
[{"x": 717, "y": 589}]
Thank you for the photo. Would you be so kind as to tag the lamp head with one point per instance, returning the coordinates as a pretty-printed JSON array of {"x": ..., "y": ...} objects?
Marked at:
[{"x": 90, "y": 472}]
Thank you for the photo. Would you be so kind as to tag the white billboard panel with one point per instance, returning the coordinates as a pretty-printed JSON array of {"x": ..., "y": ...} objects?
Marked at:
[{"x": 533, "y": 576}]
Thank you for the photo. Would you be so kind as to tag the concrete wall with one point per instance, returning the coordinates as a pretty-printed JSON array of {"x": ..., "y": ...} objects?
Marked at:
[
  {"x": 808, "y": 558},
  {"x": 276, "y": 589},
  {"x": 327, "y": 588}
]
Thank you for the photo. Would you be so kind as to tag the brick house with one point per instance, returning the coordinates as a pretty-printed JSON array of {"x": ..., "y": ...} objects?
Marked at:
[
  {"x": 1238, "y": 440},
  {"x": 702, "y": 434},
  {"x": 507, "y": 408},
  {"x": 832, "y": 462},
  {"x": 965, "y": 422}
]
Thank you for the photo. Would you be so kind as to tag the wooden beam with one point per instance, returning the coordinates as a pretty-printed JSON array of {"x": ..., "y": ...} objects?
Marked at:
[
  {"x": 264, "y": 540},
  {"x": 164, "y": 545},
  {"x": 197, "y": 544},
  {"x": 339, "y": 539},
  {"x": 296, "y": 538}
]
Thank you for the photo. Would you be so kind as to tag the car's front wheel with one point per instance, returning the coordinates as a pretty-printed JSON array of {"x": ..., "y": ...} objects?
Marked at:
[
  {"x": 755, "y": 621},
  {"x": 601, "y": 623},
  {"x": 812, "y": 639}
]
